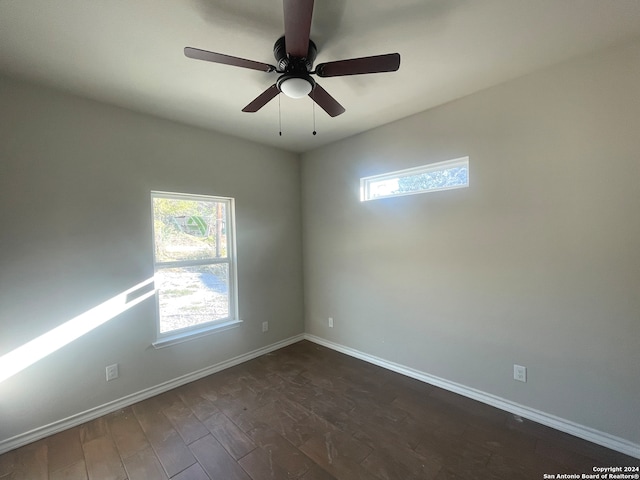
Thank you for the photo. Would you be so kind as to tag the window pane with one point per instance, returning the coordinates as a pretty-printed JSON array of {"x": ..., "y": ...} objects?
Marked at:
[
  {"x": 190, "y": 296},
  {"x": 426, "y": 178},
  {"x": 189, "y": 229},
  {"x": 438, "y": 179}
]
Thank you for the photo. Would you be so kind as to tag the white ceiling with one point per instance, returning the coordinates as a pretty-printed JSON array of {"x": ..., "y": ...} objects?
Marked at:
[{"x": 130, "y": 53}]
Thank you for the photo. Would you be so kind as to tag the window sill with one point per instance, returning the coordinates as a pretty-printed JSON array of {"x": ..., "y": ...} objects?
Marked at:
[{"x": 181, "y": 337}]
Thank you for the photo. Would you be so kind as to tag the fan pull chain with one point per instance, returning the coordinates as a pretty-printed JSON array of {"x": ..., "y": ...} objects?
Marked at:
[
  {"x": 313, "y": 103},
  {"x": 279, "y": 116}
]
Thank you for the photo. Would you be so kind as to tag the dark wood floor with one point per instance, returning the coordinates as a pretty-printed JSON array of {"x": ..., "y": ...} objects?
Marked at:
[{"x": 306, "y": 412}]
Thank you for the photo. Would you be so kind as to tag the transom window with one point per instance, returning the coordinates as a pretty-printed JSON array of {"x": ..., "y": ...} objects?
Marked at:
[
  {"x": 426, "y": 178},
  {"x": 194, "y": 259}
]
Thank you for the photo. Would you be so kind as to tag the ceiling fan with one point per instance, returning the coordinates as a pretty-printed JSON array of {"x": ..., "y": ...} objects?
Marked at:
[{"x": 295, "y": 53}]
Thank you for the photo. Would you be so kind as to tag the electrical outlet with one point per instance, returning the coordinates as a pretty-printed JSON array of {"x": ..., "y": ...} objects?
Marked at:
[
  {"x": 265, "y": 326},
  {"x": 112, "y": 372},
  {"x": 330, "y": 322},
  {"x": 520, "y": 373}
]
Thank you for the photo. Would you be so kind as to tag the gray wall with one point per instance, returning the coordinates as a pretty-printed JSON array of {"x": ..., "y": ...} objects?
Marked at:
[
  {"x": 75, "y": 230},
  {"x": 536, "y": 263}
]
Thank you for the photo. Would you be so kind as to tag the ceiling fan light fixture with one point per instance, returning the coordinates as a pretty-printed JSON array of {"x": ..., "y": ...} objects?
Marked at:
[{"x": 296, "y": 87}]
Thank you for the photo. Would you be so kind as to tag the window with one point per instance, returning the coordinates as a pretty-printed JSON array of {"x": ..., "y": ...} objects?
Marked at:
[
  {"x": 427, "y": 178},
  {"x": 194, "y": 260}
]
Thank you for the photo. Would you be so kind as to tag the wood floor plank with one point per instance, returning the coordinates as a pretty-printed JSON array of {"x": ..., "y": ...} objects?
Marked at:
[
  {"x": 75, "y": 471},
  {"x": 65, "y": 449},
  {"x": 328, "y": 405},
  {"x": 497, "y": 439},
  {"x": 401, "y": 383},
  {"x": 171, "y": 450},
  {"x": 144, "y": 465},
  {"x": 192, "y": 397},
  {"x": 215, "y": 460},
  {"x": 317, "y": 473},
  {"x": 31, "y": 462},
  {"x": 281, "y": 451},
  {"x": 102, "y": 459},
  {"x": 127, "y": 433},
  {"x": 466, "y": 461},
  {"x": 259, "y": 465},
  {"x": 373, "y": 428},
  {"x": 473, "y": 412},
  {"x": 430, "y": 413},
  {"x": 8, "y": 462},
  {"x": 568, "y": 458},
  {"x": 526, "y": 468},
  {"x": 194, "y": 472},
  {"x": 94, "y": 429},
  {"x": 292, "y": 420},
  {"x": 339, "y": 455},
  {"x": 232, "y": 438},
  {"x": 185, "y": 422},
  {"x": 242, "y": 400},
  {"x": 393, "y": 460},
  {"x": 227, "y": 382},
  {"x": 572, "y": 445},
  {"x": 247, "y": 421},
  {"x": 385, "y": 467},
  {"x": 247, "y": 398}
]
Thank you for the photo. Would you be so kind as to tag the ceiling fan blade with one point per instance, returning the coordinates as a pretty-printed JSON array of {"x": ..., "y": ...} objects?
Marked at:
[
  {"x": 262, "y": 99},
  {"x": 326, "y": 101},
  {"x": 389, "y": 62},
  {"x": 297, "y": 26},
  {"x": 227, "y": 59}
]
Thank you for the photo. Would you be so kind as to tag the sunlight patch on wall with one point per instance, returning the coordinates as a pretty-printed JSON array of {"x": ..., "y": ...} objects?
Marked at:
[{"x": 38, "y": 348}]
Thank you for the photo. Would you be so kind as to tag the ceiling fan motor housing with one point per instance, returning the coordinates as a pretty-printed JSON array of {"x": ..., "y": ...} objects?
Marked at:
[{"x": 293, "y": 65}]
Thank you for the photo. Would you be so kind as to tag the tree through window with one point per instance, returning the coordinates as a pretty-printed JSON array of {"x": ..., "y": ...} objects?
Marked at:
[
  {"x": 194, "y": 258},
  {"x": 426, "y": 178}
]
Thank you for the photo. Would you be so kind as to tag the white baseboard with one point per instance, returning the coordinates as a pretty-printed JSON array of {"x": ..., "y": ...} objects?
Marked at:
[
  {"x": 115, "y": 405},
  {"x": 601, "y": 438},
  {"x": 567, "y": 426}
]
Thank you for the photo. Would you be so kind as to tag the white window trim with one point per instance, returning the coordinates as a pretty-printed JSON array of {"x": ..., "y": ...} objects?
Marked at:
[
  {"x": 184, "y": 336},
  {"x": 365, "y": 182},
  {"x": 197, "y": 331}
]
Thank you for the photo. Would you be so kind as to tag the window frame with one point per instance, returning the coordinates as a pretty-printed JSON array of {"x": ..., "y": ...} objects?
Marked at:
[
  {"x": 366, "y": 182},
  {"x": 164, "y": 339}
]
